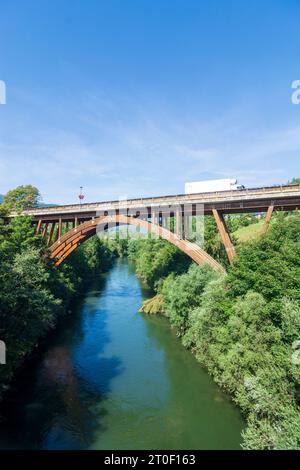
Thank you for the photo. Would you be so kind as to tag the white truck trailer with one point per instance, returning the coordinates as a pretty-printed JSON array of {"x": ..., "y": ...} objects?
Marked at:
[{"x": 209, "y": 186}]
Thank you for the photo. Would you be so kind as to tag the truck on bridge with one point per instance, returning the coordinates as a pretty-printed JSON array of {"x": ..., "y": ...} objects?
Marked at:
[{"x": 208, "y": 186}]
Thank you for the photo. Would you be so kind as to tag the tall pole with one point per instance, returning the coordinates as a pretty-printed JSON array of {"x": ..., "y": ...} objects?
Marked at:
[{"x": 81, "y": 196}]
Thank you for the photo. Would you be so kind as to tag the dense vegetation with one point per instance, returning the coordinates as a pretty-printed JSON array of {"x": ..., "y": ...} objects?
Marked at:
[
  {"x": 155, "y": 259},
  {"x": 34, "y": 294},
  {"x": 242, "y": 326}
]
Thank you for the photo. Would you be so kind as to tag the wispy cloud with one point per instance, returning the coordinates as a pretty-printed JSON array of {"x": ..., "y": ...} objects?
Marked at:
[{"x": 123, "y": 146}]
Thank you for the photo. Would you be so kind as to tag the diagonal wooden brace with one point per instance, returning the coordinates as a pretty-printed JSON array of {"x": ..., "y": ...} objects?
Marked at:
[
  {"x": 230, "y": 250},
  {"x": 267, "y": 219},
  {"x": 38, "y": 227}
]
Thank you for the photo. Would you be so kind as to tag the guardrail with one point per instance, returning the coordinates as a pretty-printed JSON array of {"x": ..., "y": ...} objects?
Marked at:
[{"x": 216, "y": 196}]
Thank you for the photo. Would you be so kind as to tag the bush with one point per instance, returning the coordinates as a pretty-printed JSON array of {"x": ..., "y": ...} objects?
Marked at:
[
  {"x": 182, "y": 293},
  {"x": 155, "y": 259}
]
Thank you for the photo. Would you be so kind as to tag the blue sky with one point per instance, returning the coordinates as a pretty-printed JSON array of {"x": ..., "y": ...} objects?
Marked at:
[{"x": 134, "y": 97}]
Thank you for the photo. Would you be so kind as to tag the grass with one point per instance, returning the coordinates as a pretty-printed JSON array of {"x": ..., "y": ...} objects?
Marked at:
[{"x": 244, "y": 234}]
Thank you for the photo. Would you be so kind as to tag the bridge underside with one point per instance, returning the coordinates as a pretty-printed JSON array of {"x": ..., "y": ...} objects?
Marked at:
[
  {"x": 170, "y": 217},
  {"x": 67, "y": 243},
  {"x": 65, "y": 235}
]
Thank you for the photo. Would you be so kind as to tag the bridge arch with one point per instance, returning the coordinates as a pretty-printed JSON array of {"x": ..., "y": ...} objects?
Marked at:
[{"x": 70, "y": 241}]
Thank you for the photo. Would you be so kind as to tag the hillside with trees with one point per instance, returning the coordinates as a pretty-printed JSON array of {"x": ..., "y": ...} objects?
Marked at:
[{"x": 242, "y": 327}]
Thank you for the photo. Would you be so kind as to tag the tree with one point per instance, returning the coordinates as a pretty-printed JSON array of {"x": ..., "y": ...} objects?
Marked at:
[
  {"x": 270, "y": 264},
  {"x": 155, "y": 259},
  {"x": 183, "y": 293},
  {"x": 213, "y": 243},
  {"x": 22, "y": 197}
]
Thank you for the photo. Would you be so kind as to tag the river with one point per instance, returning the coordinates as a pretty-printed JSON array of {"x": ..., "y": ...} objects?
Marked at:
[{"x": 112, "y": 378}]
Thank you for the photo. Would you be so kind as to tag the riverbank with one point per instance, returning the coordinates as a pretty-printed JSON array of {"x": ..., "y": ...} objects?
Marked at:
[
  {"x": 111, "y": 378},
  {"x": 217, "y": 318}
]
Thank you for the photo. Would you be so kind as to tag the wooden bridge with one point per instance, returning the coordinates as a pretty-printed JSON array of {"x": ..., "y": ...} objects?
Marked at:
[{"x": 170, "y": 217}]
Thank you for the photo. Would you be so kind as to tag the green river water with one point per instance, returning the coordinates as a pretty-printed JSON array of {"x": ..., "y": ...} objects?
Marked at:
[{"x": 112, "y": 378}]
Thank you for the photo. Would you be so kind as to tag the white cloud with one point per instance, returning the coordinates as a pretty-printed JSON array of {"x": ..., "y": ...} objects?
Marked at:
[{"x": 122, "y": 146}]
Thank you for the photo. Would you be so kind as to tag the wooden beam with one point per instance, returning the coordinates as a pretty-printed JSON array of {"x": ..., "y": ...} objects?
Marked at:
[
  {"x": 230, "y": 250},
  {"x": 65, "y": 255},
  {"x": 59, "y": 228},
  {"x": 56, "y": 234},
  {"x": 267, "y": 219},
  {"x": 38, "y": 228},
  {"x": 45, "y": 230},
  {"x": 51, "y": 233},
  {"x": 61, "y": 250}
]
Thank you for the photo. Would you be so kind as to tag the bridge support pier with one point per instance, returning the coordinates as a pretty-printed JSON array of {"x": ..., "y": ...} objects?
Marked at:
[
  {"x": 59, "y": 228},
  {"x": 268, "y": 219},
  {"x": 230, "y": 250},
  {"x": 56, "y": 233},
  {"x": 44, "y": 232},
  {"x": 51, "y": 234},
  {"x": 38, "y": 227}
]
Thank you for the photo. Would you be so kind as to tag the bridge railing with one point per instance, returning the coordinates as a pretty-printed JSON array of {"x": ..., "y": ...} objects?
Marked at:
[{"x": 179, "y": 198}]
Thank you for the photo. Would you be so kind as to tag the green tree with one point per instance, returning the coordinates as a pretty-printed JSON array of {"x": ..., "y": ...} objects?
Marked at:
[
  {"x": 295, "y": 181},
  {"x": 156, "y": 259},
  {"x": 213, "y": 243},
  {"x": 271, "y": 264},
  {"x": 22, "y": 197},
  {"x": 182, "y": 293}
]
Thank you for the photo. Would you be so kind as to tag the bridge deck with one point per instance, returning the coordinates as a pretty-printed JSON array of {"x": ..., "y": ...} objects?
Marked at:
[{"x": 248, "y": 200}]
